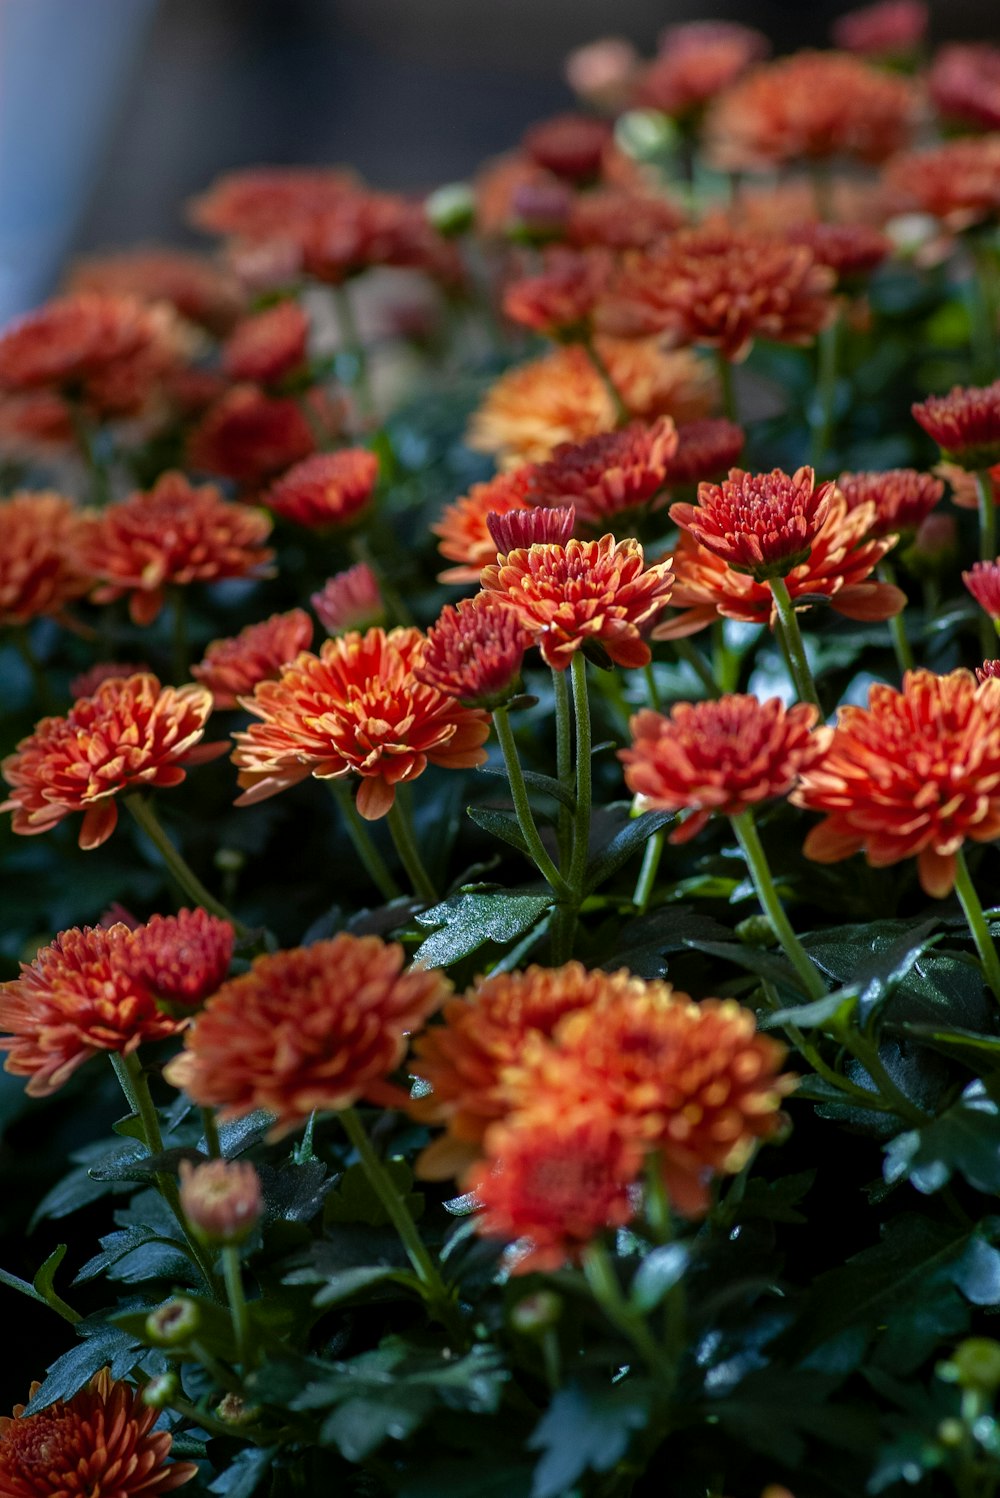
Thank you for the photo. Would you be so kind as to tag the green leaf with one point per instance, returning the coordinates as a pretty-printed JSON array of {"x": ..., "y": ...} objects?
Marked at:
[
  {"x": 102, "y": 1344},
  {"x": 499, "y": 824},
  {"x": 831, "y": 1013},
  {"x": 243, "y": 1477},
  {"x": 768, "y": 965},
  {"x": 584, "y": 1429},
  {"x": 657, "y": 1275},
  {"x": 624, "y": 845},
  {"x": 138, "y": 1165},
  {"x": 347, "y": 1283},
  {"x": 167, "y": 1260},
  {"x": 982, "y": 1052},
  {"x": 547, "y": 784},
  {"x": 14, "y": 1282},
  {"x": 965, "y": 1138},
  {"x": 359, "y": 1426},
  {"x": 355, "y": 1199},
  {"x": 468, "y": 920}
]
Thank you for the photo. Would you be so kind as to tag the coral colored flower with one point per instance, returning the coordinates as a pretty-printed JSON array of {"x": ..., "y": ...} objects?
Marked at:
[
  {"x": 625, "y": 470},
  {"x": 913, "y": 775},
  {"x": 517, "y": 529},
  {"x": 983, "y": 582},
  {"x": 231, "y": 668},
  {"x": 987, "y": 669},
  {"x": 40, "y": 571},
  {"x": 723, "y": 287},
  {"x": 259, "y": 203},
  {"x": 314, "y": 1028},
  {"x": 903, "y": 498},
  {"x": 613, "y": 218},
  {"x": 718, "y": 756},
  {"x": 964, "y": 84},
  {"x": 586, "y": 593},
  {"x": 849, "y": 250},
  {"x": 356, "y": 708},
  {"x": 965, "y": 424},
  {"x": 131, "y": 735},
  {"x": 890, "y": 28},
  {"x": 221, "y": 1199},
  {"x": 761, "y": 523},
  {"x": 201, "y": 291},
  {"x": 267, "y": 346},
  {"x": 843, "y": 556},
  {"x": 172, "y": 536},
  {"x": 600, "y": 72},
  {"x": 964, "y": 489},
  {"x": 86, "y": 684},
  {"x": 464, "y": 529},
  {"x": 33, "y": 424},
  {"x": 561, "y": 298},
  {"x": 250, "y": 437},
  {"x": 570, "y": 145},
  {"x": 474, "y": 652},
  {"x": 326, "y": 489},
  {"x": 100, "y": 1443},
  {"x": 696, "y": 61},
  {"x": 350, "y": 600},
  {"x": 80, "y": 995},
  {"x": 184, "y": 957},
  {"x": 366, "y": 228},
  {"x": 958, "y": 182},
  {"x": 704, "y": 450}
]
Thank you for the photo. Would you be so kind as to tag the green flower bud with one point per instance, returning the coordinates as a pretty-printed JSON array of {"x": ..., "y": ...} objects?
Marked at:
[
  {"x": 451, "y": 209},
  {"x": 535, "y": 1315},
  {"x": 161, "y": 1391},
  {"x": 174, "y": 1323}
]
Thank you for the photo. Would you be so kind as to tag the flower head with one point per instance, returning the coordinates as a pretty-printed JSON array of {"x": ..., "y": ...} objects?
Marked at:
[
  {"x": 763, "y": 524},
  {"x": 231, "y": 668},
  {"x": 40, "y": 570},
  {"x": 366, "y": 228},
  {"x": 268, "y": 345},
  {"x": 132, "y": 734},
  {"x": 987, "y": 669},
  {"x": 718, "y": 756},
  {"x": 182, "y": 958},
  {"x": 326, "y": 489},
  {"x": 569, "y": 145},
  {"x": 356, "y": 708},
  {"x": 262, "y": 202},
  {"x": 586, "y": 593},
  {"x": 903, "y": 498},
  {"x": 101, "y": 1443},
  {"x": 964, "y": 84},
  {"x": 86, "y": 684},
  {"x": 889, "y": 28},
  {"x": 983, "y": 582},
  {"x": 617, "y": 219},
  {"x": 705, "y": 449},
  {"x": 172, "y": 536},
  {"x": 474, "y": 652},
  {"x": 561, "y": 298},
  {"x": 35, "y": 423},
  {"x": 250, "y": 437},
  {"x": 599, "y": 72},
  {"x": 695, "y": 62},
  {"x": 614, "y": 472},
  {"x": 221, "y": 1200},
  {"x": 350, "y": 600},
  {"x": 913, "y": 775},
  {"x": 198, "y": 289},
  {"x": 958, "y": 182},
  {"x": 314, "y": 1028},
  {"x": 464, "y": 528},
  {"x": 965, "y": 424},
  {"x": 849, "y": 250},
  {"x": 516, "y": 529}
]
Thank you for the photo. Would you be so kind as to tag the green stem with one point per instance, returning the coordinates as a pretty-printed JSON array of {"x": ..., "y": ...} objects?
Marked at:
[
  {"x": 866, "y": 1051},
  {"x": 652, "y": 690},
  {"x": 402, "y": 835},
  {"x": 564, "y": 759},
  {"x": 810, "y": 1052},
  {"x": 581, "y": 828},
  {"x": 822, "y": 408},
  {"x": 522, "y": 805},
  {"x": 648, "y": 872},
  {"x": 622, "y": 413},
  {"x": 97, "y": 473},
  {"x": 688, "y": 652},
  {"x": 143, "y": 813},
  {"x": 181, "y": 662},
  {"x": 39, "y": 678},
  {"x": 237, "y": 1301},
  {"x": 351, "y": 342},
  {"x": 364, "y": 846},
  {"x": 982, "y": 300},
  {"x": 798, "y": 663},
  {"x": 211, "y": 1127},
  {"x": 727, "y": 386},
  {"x": 897, "y": 626},
  {"x": 603, "y": 1281},
  {"x": 753, "y": 851},
  {"x": 971, "y": 906}
]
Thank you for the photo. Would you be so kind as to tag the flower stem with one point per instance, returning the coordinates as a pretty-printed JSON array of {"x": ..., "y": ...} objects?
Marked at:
[
  {"x": 727, "y": 386},
  {"x": 622, "y": 412},
  {"x": 581, "y": 829},
  {"x": 897, "y": 626},
  {"x": 352, "y": 345},
  {"x": 143, "y": 813},
  {"x": 971, "y": 906},
  {"x": 211, "y": 1127},
  {"x": 865, "y": 1050},
  {"x": 692, "y": 656},
  {"x": 402, "y": 835},
  {"x": 522, "y": 805},
  {"x": 237, "y": 1301},
  {"x": 648, "y": 872},
  {"x": 600, "y": 1274},
  {"x": 822, "y": 408},
  {"x": 798, "y": 664},
  {"x": 748, "y": 838},
  {"x": 39, "y": 679},
  {"x": 652, "y": 690},
  {"x": 564, "y": 759},
  {"x": 364, "y": 846},
  {"x": 97, "y": 473}
]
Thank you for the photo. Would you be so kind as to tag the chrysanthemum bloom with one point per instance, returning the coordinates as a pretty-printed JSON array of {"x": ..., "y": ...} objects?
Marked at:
[
  {"x": 86, "y": 684},
  {"x": 131, "y": 735},
  {"x": 231, "y": 668},
  {"x": 934, "y": 547},
  {"x": 197, "y": 288},
  {"x": 474, "y": 652},
  {"x": 965, "y": 424},
  {"x": 464, "y": 529},
  {"x": 890, "y": 28},
  {"x": 607, "y": 475},
  {"x": 763, "y": 523},
  {"x": 34, "y": 425},
  {"x": 964, "y": 490},
  {"x": 100, "y": 1443},
  {"x": 705, "y": 449},
  {"x": 250, "y": 437},
  {"x": 903, "y": 498},
  {"x": 350, "y": 600},
  {"x": 843, "y": 556},
  {"x": 357, "y": 708},
  {"x": 849, "y": 250},
  {"x": 315, "y": 1028},
  {"x": 261, "y": 202},
  {"x": 696, "y": 61},
  {"x": 570, "y": 145},
  {"x": 612, "y": 218},
  {"x": 586, "y": 593},
  {"x": 964, "y": 84},
  {"x": 913, "y": 775},
  {"x": 560, "y": 300},
  {"x": 987, "y": 669},
  {"x": 983, "y": 582},
  {"x": 367, "y": 228},
  {"x": 221, "y": 1200},
  {"x": 40, "y": 571},
  {"x": 79, "y": 996},
  {"x": 184, "y": 957},
  {"x": 958, "y": 183},
  {"x": 723, "y": 287},
  {"x": 810, "y": 107},
  {"x": 327, "y": 489},
  {"x": 267, "y": 346},
  {"x": 543, "y": 526},
  {"x": 172, "y": 536},
  {"x": 718, "y": 756},
  {"x": 600, "y": 72}
]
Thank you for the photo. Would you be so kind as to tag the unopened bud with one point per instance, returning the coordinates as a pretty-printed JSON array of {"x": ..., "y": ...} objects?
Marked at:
[
  {"x": 451, "y": 209},
  {"x": 645, "y": 134},
  {"x": 236, "y": 1411},
  {"x": 534, "y": 1315},
  {"x": 161, "y": 1391},
  {"x": 173, "y": 1323},
  {"x": 951, "y": 1432},
  {"x": 755, "y": 931},
  {"x": 975, "y": 1364},
  {"x": 221, "y": 1200}
]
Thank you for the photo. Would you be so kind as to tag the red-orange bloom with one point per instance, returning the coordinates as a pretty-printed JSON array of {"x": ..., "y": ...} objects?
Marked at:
[
  {"x": 570, "y": 145},
  {"x": 586, "y": 593},
  {"x": 40, "y": 571},
  {"x": 100, "y": 1443},
  {"x": 261, "y": 202},
  {"x": 357, "y": 708},
  {"x": 849, "y": 250},
  {"x": 182, "y": 958},
  {"x": 959, "y": 182},
  {"x": 724, "y": 287},
  {"x": 983, "y": 582},
  {"x": 964, "y": 84},
  {"x": 350, "y": 600},
  {"x": 250, "y": 437},
  {"x": 86, "y": 684},
  {"x": 267, "y": 346},
  {"x": 911, "y": 776},
  {"x": 34, "y": 423},
  {"x": 613, "y": 218},
  {"x": 903, "y": 498},
  {"x": 561, "y": 298},
  {"x": 474, "y": 652},
  {"x": 606, "y": 475},
  {"x": 132, "y": 734},
  {"x": 172, "y": 536},
  {"x": 718, "y": 756},
  {"x": 697, "y": 61},
  {"x": 987, "y": 669},
  {"x": 369, "y": 228},
  {"x": 201, "y": 291},
  {"x": 763, "y": 523},
  {"x": 600, "y": 72},
  {"x": 889, "y": 28},
  {"x": 705, "y": 449},
  {"x": 464, "y": 530},
  {"x": 231, "y": 668},
  {"x": 315, "y": 1028},
  {"x": 326, "y": 489},
  {"x": 545, "y": 526},
  {"x": 965, "y": 424}
]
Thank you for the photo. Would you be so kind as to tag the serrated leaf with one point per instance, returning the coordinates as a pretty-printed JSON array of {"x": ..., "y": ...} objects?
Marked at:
[
  {"x": 102, "y": 1343},
  {"x": 624, "y": 845},
  {"x": 117, "y": 1246},
  {"x": 350, "y": 1282},
  {"x": 769, "y": 965},
  {"x": 546, "y": 784},
  {"x": 467, "y": 921},
  {"x": 831, "y": 1013},
  {"x": 499, "y": 824},
  {"x": 360, "y": 1426},
  {"x": 965, "y": 1138},
  {"x": 243, "y": 1477},
  {"x": 583, "y": 1430},
  {"x": 657, "y": 1275}
]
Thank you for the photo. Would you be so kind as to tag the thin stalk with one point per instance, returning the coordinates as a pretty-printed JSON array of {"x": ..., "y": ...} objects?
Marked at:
[
  {"x": 564, "y": 760},
  {"x": 981, "y": 291},
  {"x": 97, "y": 473},
  {"x": 211, "y": 1127},
  {"x": 822, "y": 409},
  {"x": 810, "y": 1052},
  {"x": 603, "y": 1282},
  {"x": 237, "y": 1301},
  {"x": 581, "y": 828},
  {"x": 622, "y": 413},
  {"x": 748, "y": 838},
  {"x": 798, "y": 663},
  {"x": 987, "y": 516},
  {"x": 39, "y": 678},
  {"x": 727, "y": 385},
  {"x": 725, "y": 662},
  {"x": 522, "y": 805},
  {"x": 973, "y": 910},
  {"x": 866, "y": 1051},
  {"x": 693, "y": 657},
  {"x": 897, "y": 626},
  {"x": 652, "y": 690},
  {"x": 648, "y": 872},
  {"x": 364, "y": 846},
  {"x": 409, "y": 854},
  {"x": 351, "y": 340},
  {"x": 143, "y": 813}
]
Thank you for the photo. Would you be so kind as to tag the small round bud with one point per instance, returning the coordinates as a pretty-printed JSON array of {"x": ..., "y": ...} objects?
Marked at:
[
  {"x": 645, "y": 134},
  {"x": 174, "y": 1323},
  {"x": 451, "y": 209},
  {"x": 534, "y": 1315},
  {"x": 221, "y": 1200},
  {"x": 755, "y": 931},
  {"x": 229, "y": 860},
  {"x": 976, "y": 1362},
  {"x": 161, "y": 1391},
  {"x": 951, "y": 1432},
  {"x": 236, "y": 1411}
]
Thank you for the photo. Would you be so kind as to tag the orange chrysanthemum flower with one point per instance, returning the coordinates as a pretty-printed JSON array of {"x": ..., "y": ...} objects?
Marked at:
[
  {"x": 889, "y": 28},
  {"x": 704, "y": 450},
  {"x": 987, "y": 669},
  {"x": 474, "y": 652},
  {"x": 350, "y": 600},
  {"x": 600, "y": 72},
  {"x": 843, "y": 556},
  {"x": 723, "y": 287},
  {"x": 221, "y": 1199},
  {"x": 810, "y": 107},
  {"x": 983, "y": 582},
  {"x": 86, "y": 684},
  {"x": 201, "y": 291},
  {"x": 172, "y": 536},
  {"x": 363, "y": 229},
  {"x": 357, "y": 708},
  {"x": 326, "y": 489},
  {"x": 231, "y": 668},
  {"x": 262, "y": 202},
  {"x": 619, "y": 471},
  {"x": 40, "y": 570},
  {"x": 561, "y": 298},
  {"x": 464, "y": 531},
  {"x": 697, "y": 61},
  {"x": 100, "y": 1443},
  {"x": 965, "y": 424},
  {"x": 913, "y": 775},
  {"x": 964, "y": 84},
  {"x": 763, "y": 524},
  {"x": 315, "y": 1028},
  {"x": 959, "y": 182},
  {"x": 267, "y": 346},
  {"x": 182, "y": 958},
  {"x": 517, "y": 529},
  {"x": 718, "y": 756},
  {"x": 132, "y": 734},
  {"x": 569, "y": 145},
  {"x": 34, "y": 424},
  {"x": 250, "y": 437},
  {"x": 616, "y": 219},
  {"x": 849, "y": 250},
  {"x": 903, "y": 498},
  {"x": 596, "y": 594},
  {"x": 964, "y": 489}
]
